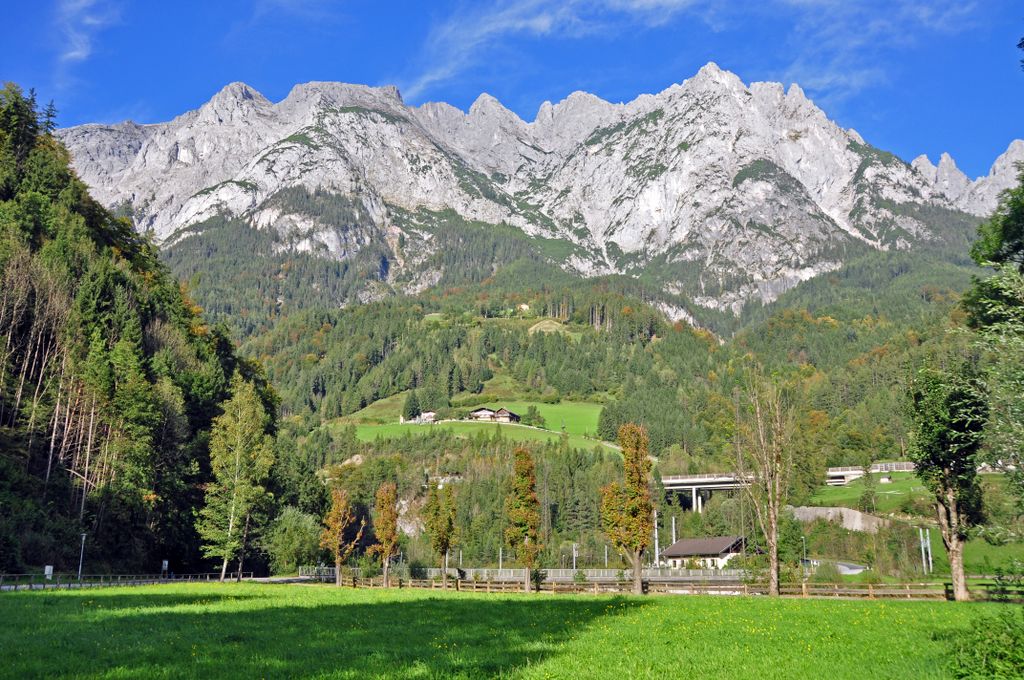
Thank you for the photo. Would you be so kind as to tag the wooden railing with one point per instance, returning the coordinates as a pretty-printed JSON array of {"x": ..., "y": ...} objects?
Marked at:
[
  {"x": 868, "y": 591},
  {"x": 62, "y": 581}
]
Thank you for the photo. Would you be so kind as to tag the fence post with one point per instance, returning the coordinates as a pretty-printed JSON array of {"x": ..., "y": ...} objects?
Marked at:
[
  {"x": 457, "y": 582},
  {"x": 803, "y": 588},
  {"x": 871, "y": 592}
]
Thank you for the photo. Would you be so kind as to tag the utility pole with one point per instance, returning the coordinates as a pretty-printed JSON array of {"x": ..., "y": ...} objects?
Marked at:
[
  {"x": 805, "y": 565},
  {"x": 928, "y": 542},
  {"x": 920, "y": 540},
  {"x": 574, "y": 552},
  {"x": 501, "y": 551},
  {"x": 81, "y": 557},
  {"x": 657, "y": 551},
  {"x": 606, "y": 556},
  {"x": 673, "y": 528}
]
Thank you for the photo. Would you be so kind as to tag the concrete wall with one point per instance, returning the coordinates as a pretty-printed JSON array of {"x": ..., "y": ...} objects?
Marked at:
[{"x": 849, "y": 518}]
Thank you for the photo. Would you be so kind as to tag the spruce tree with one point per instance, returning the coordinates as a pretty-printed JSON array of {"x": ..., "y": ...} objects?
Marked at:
[{"x": 522, "y": 511}]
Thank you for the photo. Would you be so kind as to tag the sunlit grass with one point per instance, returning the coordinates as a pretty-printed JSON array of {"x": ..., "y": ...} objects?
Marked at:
[{"x": 251, "y": 631}]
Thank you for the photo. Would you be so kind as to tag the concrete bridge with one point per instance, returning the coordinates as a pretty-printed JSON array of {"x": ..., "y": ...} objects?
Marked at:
[{"x": 700, "y": 487}]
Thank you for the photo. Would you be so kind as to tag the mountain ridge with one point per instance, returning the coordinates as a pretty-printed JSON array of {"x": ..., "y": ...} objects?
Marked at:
[{"x": 719, "y": 191}]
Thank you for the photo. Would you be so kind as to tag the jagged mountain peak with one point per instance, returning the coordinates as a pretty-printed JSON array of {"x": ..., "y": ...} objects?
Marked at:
[{"x": 724, "y": 191}]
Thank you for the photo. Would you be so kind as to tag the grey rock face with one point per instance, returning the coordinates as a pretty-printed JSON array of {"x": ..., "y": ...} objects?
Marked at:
[{"x": 726, "y": 192}]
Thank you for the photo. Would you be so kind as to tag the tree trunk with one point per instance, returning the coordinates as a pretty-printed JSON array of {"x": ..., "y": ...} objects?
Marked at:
[
  {"x": 444, "y": 572},
  {"x": 337, "y": 571},
  {"x": 224, "y": 569},
  {"x": 387, "y": 570},
  {"x": 956, "y": 570},
  {"x": 241, "y": 553},
  {"x": 773, "y": 552},
  {"x": 526, "y": 580},
  {"x": 638, "y": 576}
]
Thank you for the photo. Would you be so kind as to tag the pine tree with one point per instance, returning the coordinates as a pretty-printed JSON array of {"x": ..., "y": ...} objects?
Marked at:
[
  {"x": 411, "y": 408},
  {"x": 241, "y": 455},
  {"x": 522, "y": 512}
]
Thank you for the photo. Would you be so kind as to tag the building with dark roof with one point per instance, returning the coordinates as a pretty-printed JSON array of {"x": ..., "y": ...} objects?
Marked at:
[{"x": 709, "y": 553}]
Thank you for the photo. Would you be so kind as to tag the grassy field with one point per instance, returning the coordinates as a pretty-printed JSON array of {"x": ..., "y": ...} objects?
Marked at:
[
  {"x": 889, "y": 496},
  {"x": 251, "y": 631},
  {"x": 512, "y": 432},
  {"x": 578, "y": 417}
]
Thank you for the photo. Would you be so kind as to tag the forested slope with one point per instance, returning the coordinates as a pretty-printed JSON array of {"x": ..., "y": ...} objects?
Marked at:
[{"x": 109, "y": 377}]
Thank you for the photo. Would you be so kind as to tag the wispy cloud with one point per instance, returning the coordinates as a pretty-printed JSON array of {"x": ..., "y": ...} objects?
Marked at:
[
  {"x": 79, "y": 22},
  {"x": 844, "y": 47},
  {"x": 324, "y": 12},
  {"x": 834, "y": 48},
  {"x": 457, "y": 43}
]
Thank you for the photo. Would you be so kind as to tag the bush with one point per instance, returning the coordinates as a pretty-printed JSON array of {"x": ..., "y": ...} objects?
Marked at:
[
  {"x": 293, "y": 540},
  {"x": 827, "y": 572},
  {"x": 993, "y": 647}
]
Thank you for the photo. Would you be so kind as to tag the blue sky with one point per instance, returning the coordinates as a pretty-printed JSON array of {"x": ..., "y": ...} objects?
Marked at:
[{"x": 912, "y": 76}]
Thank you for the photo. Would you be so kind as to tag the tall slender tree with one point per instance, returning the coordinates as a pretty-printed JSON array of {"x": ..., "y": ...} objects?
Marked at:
[
  {"x": 439, "y": 519},
  {"x": 334, "y": 536},
  {"x": 385, "y": 526},
  {"x": 522, "y": 513},
  {"x": 766, "y": 455},
  {"x": 949, "y": 413},
  {"x": 626, "y": 509},
  {"x": 241, "y": 455}
]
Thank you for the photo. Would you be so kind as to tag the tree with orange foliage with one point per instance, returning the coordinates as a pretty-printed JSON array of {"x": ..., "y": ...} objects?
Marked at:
[
  {"x": 522, "y": 510},
  {"x": 336, "y": 524},
  {"x": 627, "y": 513},
  {"x": 385, "y": 526}
]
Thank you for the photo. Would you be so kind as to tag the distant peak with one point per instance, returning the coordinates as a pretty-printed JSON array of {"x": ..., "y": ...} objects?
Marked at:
[{"x": 239, "y": 91}]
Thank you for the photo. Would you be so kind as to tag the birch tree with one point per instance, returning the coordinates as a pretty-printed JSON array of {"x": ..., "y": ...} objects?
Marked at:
[
  {"x": 334, "y": 536},
  {"x": 766, "y": 431},
  {"x": 241, "y": 454}
]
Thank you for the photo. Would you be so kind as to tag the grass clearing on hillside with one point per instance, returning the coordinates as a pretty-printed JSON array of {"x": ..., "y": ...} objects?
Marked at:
[
  {"x": 520, "y": 433},
  {"x": 250, "y": 630},
  {"x": 578, "y": 417}
]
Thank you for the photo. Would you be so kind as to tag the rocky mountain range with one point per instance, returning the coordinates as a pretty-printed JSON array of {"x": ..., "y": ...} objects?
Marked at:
[{"x": 718, "y": 191}]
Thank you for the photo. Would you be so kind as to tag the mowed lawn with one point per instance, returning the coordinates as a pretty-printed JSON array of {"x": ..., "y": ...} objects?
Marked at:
[{"x": 252, "y": 631}]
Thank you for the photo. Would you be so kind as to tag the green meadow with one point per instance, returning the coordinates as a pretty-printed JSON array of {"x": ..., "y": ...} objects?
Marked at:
[{"x": 252, "y": 631}]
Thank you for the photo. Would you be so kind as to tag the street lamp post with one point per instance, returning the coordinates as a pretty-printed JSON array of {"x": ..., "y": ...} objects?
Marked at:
[{"x": 81, "y": 557}]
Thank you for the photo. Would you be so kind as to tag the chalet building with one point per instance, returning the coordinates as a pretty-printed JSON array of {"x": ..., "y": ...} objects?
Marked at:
[
  {"x": 503, "y": 415},
  {"x": 709, "y": 553},
  {"x": 428, "y": 417}
]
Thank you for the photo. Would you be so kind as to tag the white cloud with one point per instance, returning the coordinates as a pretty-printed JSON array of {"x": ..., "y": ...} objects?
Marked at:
[
  {"x": 78, "y": 23},
  {"x": 834, "y": 47},
  {"x": 456, "y": 44}
]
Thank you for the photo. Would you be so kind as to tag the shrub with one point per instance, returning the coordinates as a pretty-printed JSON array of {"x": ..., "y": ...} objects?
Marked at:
[
  {"x": 293, "y": 540},
  {"x": 993, "y": 647},
  {"x": 827, "y": 572}
]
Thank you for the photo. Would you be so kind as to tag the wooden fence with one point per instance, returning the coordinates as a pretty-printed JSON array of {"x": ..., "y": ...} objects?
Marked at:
[
  {"x": 10, "y": 582},
  {"x": 868, "y": 591}
]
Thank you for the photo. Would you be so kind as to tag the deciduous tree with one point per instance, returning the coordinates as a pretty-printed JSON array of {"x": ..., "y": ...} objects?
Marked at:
[
  {"x": 385, "y": 526},
  {"x": 766, "y": 455},
  {"x": 626, "y": 509},
  {"x": 336, "y": 527},
  {"x": 241, "y": 454},
  {"x": 522, "y": 512},
  {"x": 439, "y": 518},
  {"x": 949, "y": 413}
]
